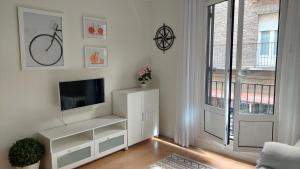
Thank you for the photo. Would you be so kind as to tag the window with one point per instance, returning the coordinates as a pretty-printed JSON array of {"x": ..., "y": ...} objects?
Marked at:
[
  {"x": 267, "y": 40},
  {"x": 264, "y": 42}
]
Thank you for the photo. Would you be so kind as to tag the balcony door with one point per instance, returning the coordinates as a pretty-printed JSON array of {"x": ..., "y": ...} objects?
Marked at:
[
  {"x": 241, "y": 72},
  {"x": 255, "y": 117},
  {"x": 218, "y": 70}
]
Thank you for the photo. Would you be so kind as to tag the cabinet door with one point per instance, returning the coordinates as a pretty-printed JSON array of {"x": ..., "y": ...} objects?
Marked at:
[
  {"x": 135, "y": 127},
  {"x": 73, "y": 157},
  {"x": 110, "y": 144},
  {"x": 150, "y": 113}
]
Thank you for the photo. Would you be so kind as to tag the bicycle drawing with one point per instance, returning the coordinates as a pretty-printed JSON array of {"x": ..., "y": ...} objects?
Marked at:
[
  {"x": 47, "y": 49},
  {"x": 41, "y": 39}
]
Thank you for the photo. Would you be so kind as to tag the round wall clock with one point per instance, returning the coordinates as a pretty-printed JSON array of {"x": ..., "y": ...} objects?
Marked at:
[{"x": 164, "y": 38}]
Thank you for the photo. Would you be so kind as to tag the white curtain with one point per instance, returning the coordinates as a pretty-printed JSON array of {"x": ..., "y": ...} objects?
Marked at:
[
  {"x": 189, "y": 72},
  {"x": 289, "y": 96}
]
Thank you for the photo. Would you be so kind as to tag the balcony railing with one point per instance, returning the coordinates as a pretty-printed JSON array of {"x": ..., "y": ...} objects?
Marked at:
[
  {"x": 255, "y": 98},
  {"x": 266, "y": 54},
  {"x": 254, "y": 56}
]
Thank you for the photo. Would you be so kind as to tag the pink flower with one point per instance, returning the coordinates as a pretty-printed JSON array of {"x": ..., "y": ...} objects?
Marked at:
[{"x": 141, "y": 72}]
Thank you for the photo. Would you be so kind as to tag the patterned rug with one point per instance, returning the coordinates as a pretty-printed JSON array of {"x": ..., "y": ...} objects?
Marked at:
[{"x": 175, "y": 161}]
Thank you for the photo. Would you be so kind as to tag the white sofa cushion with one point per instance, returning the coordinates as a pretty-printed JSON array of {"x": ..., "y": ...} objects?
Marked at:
[{"x": 279, "y": 156}]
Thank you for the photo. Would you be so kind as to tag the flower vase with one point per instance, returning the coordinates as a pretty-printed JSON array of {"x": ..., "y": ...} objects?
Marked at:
[{"x": 144, "y": 85}]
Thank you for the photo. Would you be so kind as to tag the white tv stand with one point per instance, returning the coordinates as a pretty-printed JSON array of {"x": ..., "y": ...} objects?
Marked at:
[{"x": 79, "y": 143}]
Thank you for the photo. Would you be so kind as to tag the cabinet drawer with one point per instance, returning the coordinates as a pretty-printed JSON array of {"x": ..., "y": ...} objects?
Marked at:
[
  {"x": 110, "y": 144},
  {"x": 73, "y": 157}
]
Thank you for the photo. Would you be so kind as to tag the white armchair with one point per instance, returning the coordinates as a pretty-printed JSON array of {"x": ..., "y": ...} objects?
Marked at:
[{"x": 279, "y": 156}]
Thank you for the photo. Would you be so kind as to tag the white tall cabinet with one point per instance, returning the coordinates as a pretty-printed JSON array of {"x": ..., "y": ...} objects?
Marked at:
[{"x": 141, "y": 108}]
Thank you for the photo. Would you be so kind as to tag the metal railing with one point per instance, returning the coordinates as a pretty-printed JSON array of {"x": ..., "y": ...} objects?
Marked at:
[
  {"x": 255, "y": 97},
  {"x": 255, "y": 55},
  {"x": 266, "y": 54}
]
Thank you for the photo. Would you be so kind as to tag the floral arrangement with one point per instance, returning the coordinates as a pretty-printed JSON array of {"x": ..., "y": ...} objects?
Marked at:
[{"x": 144, "y": 74}]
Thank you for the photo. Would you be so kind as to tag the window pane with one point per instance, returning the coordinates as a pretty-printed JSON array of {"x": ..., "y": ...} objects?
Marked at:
[
  {"x": 215, "y": 74},
  {"x": 264, "y": 42},
  {"x": 258, "y": 69}
]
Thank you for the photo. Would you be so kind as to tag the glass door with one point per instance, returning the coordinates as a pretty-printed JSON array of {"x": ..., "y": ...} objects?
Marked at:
[
  {"x": 218, "y": 69},
  {"x": 256, "y": 63}
]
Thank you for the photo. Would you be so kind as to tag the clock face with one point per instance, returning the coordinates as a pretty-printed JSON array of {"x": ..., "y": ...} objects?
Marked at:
[{"x": 164, "y": 38}]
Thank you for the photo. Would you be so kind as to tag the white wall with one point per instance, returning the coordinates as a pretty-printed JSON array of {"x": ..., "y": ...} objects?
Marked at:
[
  {"x": 165, "y": 64},
  {"x": 29, "y": 100}
]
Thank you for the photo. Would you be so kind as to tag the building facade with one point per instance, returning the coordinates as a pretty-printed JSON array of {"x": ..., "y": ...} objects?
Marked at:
[{"x": 259, "y": 55}]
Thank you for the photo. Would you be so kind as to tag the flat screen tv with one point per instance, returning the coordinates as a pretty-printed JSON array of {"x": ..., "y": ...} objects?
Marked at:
[{"x": 75, "y": 94}]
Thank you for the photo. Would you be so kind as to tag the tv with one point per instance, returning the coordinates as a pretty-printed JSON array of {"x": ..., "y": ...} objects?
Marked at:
[{"x": 75, "y": 94}]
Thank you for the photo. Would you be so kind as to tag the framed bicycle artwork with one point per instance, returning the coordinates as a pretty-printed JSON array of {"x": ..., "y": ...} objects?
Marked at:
[
  {"x": 94, "y": 28},
  {"x": 41, "y": 39},
  {"x": 95, "y": 57}
]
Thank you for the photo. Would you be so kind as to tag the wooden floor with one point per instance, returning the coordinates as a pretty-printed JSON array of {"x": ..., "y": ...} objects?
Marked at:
[{"x": 148, "y": 152}]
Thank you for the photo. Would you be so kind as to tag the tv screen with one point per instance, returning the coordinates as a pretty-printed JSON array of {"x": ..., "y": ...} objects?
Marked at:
[{"x": 74, "y": 94}]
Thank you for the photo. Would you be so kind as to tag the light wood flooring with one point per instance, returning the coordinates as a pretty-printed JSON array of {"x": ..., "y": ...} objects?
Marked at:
[{"x": 148, "y": 152}]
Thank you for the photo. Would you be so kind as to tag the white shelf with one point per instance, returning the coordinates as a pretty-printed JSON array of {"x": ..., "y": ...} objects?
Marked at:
[
  {"x": 79, "y": 127},
  {"x": 108, "y": 131},
  {"x": 69, "y": 142},
  {"x": 133, "y": 90}
]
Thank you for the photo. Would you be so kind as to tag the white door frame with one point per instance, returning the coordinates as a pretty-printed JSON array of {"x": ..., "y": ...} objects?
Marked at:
[{"x": 238, "y": 118}]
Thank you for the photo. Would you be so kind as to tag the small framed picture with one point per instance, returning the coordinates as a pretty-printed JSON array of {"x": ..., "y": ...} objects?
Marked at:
[
  {"x": 41, "y": 39},
  {"x": 95, "y": 57},
  {"x": 94, "y": 28}
]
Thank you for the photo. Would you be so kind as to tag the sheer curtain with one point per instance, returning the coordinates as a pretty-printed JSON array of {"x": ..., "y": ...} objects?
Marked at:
[
  {"x": 289, "y": 97},
  {"x": 190, "y": 73}
]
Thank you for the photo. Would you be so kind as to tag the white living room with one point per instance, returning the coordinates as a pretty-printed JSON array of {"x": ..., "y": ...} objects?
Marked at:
[{"x": 149, "y": 84}]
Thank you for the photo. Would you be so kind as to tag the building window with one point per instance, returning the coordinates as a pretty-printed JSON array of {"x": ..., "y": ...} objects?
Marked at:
[
  {"x": 267, "y": 40},
  {"x": 264, "y": 42}
]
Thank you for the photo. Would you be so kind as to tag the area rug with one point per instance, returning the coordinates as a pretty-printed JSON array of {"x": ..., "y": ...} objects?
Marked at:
[{"x": 175, "y": 161}]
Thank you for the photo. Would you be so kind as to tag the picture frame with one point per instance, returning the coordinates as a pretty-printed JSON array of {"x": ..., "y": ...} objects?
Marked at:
[
  {"x": 95, "y": 57},
  {"x": 37, "y": 28},
  {"x": 94, "y": 28}
]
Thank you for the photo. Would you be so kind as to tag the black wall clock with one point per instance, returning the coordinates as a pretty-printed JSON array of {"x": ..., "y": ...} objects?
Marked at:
[{"x": 164, "y": 38}]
